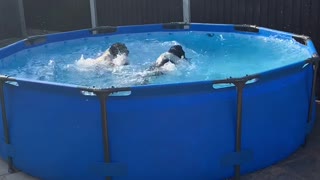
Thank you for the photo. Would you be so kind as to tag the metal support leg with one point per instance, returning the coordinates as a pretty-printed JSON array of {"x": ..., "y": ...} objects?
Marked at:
[
  {"x": 93, "y": 11},
  {"x": 104, "y": 122},
  {"x": 22, "y": 19},
  {"x": 240, "y": 83},
  {"x": 313, "y": 91},
  {"x": 103, "y": 95},
  {"x": 186, "y": 11},
  {"x": 5, "y": 124},
  {"x": 315, "y": 63},
  {"x": 240, "y": 86}
]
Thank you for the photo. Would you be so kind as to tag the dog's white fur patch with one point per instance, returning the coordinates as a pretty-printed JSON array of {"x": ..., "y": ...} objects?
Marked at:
[
  {"x": 105, "y": 61},
  {"x": 120, "y": 60},
  {"x": 169, "y": 66},
  {"x": 167, "y": 55}
]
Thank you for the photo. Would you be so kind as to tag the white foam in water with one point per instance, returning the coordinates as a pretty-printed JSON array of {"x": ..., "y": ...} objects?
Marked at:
[{"x": 218, "y": 56}]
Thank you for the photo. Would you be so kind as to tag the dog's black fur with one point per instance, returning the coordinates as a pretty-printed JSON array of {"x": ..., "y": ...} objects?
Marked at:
[
  {"x": 118, "y": 49},
  {"x": 115, "y": 50},
  {"x": 177, "y": 50},
  {"x": 174, "y": 55}
]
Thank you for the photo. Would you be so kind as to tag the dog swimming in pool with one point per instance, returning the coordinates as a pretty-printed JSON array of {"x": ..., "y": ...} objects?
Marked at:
[
  {"x": 168, "y": 61},
  {"x": 165, "y": 63},
  {"x": 116, "y": 55}
]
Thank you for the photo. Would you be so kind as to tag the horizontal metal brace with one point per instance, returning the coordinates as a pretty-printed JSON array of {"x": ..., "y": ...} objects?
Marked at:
[
  {"x": 5, "y": 78},
  {"x": 106, "y": 90},
  {"x": 236, "y": 81},
  {"x": 314, "y": 60}
]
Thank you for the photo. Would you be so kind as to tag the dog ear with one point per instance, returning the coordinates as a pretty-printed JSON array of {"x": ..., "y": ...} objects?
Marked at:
[
  {"x": 113, "y": 50},
  {"x": 123, "y": 49}
]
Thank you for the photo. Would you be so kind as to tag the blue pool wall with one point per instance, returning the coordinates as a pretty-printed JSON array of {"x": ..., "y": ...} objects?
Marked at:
[{"x": 56, "y": 133}]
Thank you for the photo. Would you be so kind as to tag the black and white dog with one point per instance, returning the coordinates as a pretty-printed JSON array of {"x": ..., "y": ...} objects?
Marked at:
[
  {"x": 116, "y": 55},
  {"x": 167, "y": 61}
]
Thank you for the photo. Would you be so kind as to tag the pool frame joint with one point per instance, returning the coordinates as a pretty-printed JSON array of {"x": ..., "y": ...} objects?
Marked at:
[
  {"x": 103, "y": 95},
  {"x": 103, "y": 30},
  {"x": 247, "y": 28},
  {"x": 3, "y": 79},
  {"x": 239, "y": 83},
  {"x": 176, "y": 25},
  {"x": 35, "y": 40},
  {"x": 302, "y": 39}
]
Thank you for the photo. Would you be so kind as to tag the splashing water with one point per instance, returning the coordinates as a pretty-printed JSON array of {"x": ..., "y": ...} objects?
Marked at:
[{"x": 217, "y": 56}]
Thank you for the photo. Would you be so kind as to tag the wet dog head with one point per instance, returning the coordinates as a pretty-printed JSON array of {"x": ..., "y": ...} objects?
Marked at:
[
  {"x": 177, "y": 50},
  {"x": 118, "y": 49}
]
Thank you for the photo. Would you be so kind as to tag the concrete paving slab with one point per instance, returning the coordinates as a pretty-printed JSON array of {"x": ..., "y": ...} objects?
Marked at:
[
  {"x": 17, "y": 176},
  {"x": 3, "y": 167},
  {"x": 5, "y": 175}
]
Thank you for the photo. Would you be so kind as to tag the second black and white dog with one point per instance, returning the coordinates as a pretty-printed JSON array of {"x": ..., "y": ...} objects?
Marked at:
[{"x": 167, "y": 61}]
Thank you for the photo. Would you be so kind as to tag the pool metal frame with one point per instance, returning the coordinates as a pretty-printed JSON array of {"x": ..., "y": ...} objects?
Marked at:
[
  {"x": 240, "y": 83},
  {"x": 103, "y": 95}
]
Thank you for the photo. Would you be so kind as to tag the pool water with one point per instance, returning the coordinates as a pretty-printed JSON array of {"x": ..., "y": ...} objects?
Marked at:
[{"x": 213, "y": 56}]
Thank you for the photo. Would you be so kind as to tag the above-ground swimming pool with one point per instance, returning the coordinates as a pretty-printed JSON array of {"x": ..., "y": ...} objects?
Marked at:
[{"x": 64, "y": 118}]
